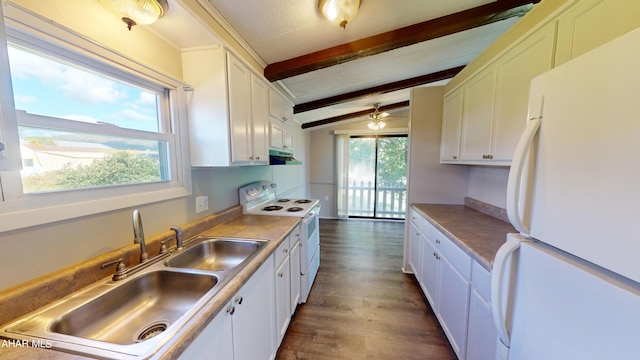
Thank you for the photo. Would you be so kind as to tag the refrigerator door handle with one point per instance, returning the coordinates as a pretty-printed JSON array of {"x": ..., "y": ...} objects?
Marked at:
[
  {"x": 497, "y": 293},
  {"x": 516, "y": 182}
]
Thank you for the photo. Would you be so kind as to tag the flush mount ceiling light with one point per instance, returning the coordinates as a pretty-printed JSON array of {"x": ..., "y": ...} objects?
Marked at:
[
  {"x": 134, "y": 12},
  {"x": 376, "y": 122},
  {"x": 339, "y": 12}
]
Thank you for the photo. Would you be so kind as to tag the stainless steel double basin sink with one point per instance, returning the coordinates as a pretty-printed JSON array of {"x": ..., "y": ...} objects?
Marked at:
[{"x": 136, "y": 316}]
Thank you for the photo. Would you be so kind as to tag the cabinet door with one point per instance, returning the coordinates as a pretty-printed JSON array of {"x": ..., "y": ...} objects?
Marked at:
[
  {"x": 479, "y": 95},
  {"x": 239, "y": 82},
  {"x": 279, "y": 108},
  {"x": 515, "y": 69},
  {"x": 482, "y": 336},
  {"x": 453, "y": 306},
  {"x": 430, "y": 272},
  {"x": 591, "y": 23},
  {"x": 215, "y": 342},
  {"x": 451, "y": 126},
  {"x": 259, "y": 121},
  {"x": 294, "y": 260},
  {"x": 254, "y": 317},
  {"x": 288, "y": 139},
  {"x": 415, "y": 251},
  {"x": 282, "y": 278},
  {"x": 276, "y": 136}
]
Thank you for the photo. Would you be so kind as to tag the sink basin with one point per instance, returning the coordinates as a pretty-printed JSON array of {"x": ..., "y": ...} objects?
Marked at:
[
  {"x": 138, "y": 310},
  {"x": 216, "y": 254}
]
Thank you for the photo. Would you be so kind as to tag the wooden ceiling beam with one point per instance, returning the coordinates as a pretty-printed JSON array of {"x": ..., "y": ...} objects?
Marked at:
[
  {"x": 377, "y": 90},
  {"x": 413, "y": 34},
  {"x": 384, "y": 108}
]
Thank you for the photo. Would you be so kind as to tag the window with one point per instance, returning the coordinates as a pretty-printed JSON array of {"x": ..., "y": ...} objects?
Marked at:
[
  {"x": 81, "y": 129},
  {"x": 94, "y": 135}
]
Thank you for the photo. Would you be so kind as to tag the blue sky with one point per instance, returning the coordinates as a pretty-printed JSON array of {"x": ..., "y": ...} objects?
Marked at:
[{"x": 45, "y": 87}]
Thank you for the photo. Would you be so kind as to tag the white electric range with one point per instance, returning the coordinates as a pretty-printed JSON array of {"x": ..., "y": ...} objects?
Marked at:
[{"x": 259, "y": 198}]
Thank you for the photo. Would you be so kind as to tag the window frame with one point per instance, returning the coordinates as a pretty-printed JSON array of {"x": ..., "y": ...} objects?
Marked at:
[{"x": 19, "y": 210}]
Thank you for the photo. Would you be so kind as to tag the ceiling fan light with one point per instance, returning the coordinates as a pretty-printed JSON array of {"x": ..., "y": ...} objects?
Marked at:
[
  {"x": 339, "y": 12},
  {"x": 135, "y": 12}
]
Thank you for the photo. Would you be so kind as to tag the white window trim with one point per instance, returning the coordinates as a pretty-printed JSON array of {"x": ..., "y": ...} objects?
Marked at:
[{"x": 38, "y": 209}]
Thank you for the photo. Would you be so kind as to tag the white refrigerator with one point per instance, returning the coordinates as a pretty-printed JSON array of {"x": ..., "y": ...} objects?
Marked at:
[{"x": 567, "y": 286}]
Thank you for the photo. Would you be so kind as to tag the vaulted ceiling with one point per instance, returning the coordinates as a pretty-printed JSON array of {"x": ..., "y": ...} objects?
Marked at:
[{"x": 333, "y": 74}]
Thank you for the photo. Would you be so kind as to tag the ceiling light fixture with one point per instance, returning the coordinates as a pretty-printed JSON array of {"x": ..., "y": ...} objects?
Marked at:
[
  {"x": 339, "y": 12},
  {"x": 134, "y": 12},
  {"x": 376, "y": 122}
]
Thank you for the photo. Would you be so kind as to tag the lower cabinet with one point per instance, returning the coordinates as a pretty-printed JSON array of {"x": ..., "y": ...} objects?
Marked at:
[
  {"x": 457, "y": 288},
  {"x": 244, "y": 329},
  {"x": 282, "y": 279}
]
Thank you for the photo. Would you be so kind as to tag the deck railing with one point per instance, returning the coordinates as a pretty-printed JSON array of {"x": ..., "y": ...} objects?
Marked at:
[{"x": 392, "y": 200}]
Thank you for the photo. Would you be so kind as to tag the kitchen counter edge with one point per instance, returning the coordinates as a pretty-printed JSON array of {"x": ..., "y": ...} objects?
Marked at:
[{"x": 476, "y": 233}]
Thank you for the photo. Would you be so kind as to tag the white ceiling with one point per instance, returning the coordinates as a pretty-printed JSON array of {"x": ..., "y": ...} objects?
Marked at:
[{"x": 277, "y": 30}]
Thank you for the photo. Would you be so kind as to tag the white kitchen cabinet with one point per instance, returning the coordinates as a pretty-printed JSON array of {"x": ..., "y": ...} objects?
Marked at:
[
  {"x": 282, "y": 280},
  {"x": 453, "y": 305},
  {"x": 280, "y": 108},
  {"x": 294, "y": 258},
  {"x": 228, "y": 110},
  {"x": 214, "y": 342},
  {"x": 415, "y": 250},
  {"x": 281, "y": 137},
  {"x": 530, "y": 58},
  {"x": 591, "y": 23},
  {"x": 244, "y": 329},
  {"x": 445, "y": 279},
  {"x": 451, "y": 127},
  {"x": 477, "y": 116},
  {"x": 253, "y": 317},
  {"x": 482, "y": 336}
]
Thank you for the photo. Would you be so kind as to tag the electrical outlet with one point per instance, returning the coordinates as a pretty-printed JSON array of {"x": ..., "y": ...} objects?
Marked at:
[{"x": 202, "y": 203}]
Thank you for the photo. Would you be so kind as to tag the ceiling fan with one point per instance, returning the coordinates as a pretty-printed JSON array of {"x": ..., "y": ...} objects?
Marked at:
[{"x": 376, "y": 117}]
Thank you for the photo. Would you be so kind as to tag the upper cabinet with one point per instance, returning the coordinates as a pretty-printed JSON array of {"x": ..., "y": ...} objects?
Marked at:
[
  {"x": 228, "y": 110},
  {"x": 280, "y": 108},
  {"x": 485, "y": 114},
  {"x": 591, "y": 23}
]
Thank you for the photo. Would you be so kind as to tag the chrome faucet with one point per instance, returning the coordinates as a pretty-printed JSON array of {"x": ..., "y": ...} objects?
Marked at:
[
  {"x": 178, "y": 232},
  {"x": 138, "y": 235}
]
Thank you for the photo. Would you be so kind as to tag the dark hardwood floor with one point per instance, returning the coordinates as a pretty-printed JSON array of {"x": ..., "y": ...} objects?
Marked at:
[{"x": 362, "y": 306}]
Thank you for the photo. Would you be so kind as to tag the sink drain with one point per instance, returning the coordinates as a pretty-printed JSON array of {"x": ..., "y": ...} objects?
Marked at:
[{"x": 152, "y": 330}]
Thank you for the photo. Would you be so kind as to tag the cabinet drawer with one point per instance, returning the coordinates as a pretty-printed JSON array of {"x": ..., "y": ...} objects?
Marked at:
[
  {"x": 481, "y": 279},
  {"x": 281, "y": 252}
]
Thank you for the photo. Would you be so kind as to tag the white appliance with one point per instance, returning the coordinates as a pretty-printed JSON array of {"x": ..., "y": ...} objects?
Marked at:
[
  {"x": 259, "y": 198},
  {"x": 567, "y": 286}
]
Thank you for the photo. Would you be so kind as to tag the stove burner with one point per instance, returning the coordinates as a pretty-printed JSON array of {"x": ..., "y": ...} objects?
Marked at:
[
  {"x": 283, "y": 200},
  {"x": 303, "y": 201},
  {"x": 294, "y": 209},
  {"x": 272, "y": 208}
]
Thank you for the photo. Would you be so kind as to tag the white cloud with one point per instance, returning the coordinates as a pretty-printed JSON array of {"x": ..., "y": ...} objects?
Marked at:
[{"x": 76, "y": 83}]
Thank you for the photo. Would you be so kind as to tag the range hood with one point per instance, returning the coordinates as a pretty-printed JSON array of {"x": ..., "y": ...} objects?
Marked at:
[{"x": 281, "y": 157}]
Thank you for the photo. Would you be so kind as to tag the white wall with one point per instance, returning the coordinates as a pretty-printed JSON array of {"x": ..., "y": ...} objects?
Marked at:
[{"x": 430, "y": 181}]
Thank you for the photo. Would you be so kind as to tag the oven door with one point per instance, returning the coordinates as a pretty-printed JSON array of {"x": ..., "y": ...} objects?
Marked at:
[{"x": 310, "y": 238}]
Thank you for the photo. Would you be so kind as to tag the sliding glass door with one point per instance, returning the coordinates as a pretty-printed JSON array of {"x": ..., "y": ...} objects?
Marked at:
[{"x": 377, "y": 186}]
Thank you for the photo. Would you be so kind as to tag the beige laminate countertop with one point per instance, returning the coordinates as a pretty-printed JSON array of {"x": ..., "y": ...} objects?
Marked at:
[
  {"x": 271, "y": 228},
  {"x": 476, "y": 233}
]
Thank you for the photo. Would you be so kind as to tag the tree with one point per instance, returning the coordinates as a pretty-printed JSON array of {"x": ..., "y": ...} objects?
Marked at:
[{"x": 118, "y": 168}]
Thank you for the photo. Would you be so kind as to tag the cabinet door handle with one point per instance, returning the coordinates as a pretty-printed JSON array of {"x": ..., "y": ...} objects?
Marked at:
[
  {"x": 455, "y": 157},
  {"x": 257, "y": 157},
  {"x": 231, "y": 310},
  {"x": 238, "y": 300},
  {"x": 250, "y": 157},
  {"x": 437, "y": 241},
  {"x": 280, "y": 274}
]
